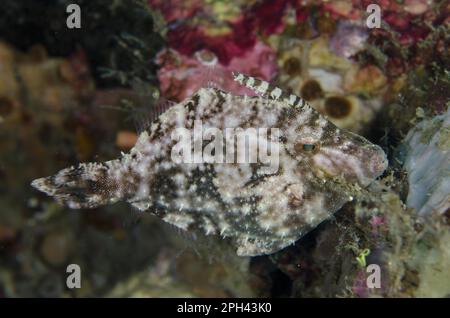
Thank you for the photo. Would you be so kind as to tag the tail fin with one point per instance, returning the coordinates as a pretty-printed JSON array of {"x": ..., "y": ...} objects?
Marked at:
[{"x": 87, "y": 185}]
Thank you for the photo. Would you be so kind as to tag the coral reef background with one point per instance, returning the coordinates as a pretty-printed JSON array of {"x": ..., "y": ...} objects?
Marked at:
[{"x": 71, "y": 95}]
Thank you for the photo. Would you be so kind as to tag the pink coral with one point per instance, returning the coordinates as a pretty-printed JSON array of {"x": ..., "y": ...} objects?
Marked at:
[
  {"x": 180, "y": 75},
  {"x": 235, "y": 37},
  {"x": 399, "y": 16},
  {"x": 173, "y": 10},
  {"x": 267, "y": 16},
  {"x": 359, "y": 287},
  {"x": 188, "y": 40},
  {"x": 377, "y": 223}
]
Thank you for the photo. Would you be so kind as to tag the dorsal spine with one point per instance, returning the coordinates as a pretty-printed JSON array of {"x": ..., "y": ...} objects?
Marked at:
[{"x": 268, "y": 90}]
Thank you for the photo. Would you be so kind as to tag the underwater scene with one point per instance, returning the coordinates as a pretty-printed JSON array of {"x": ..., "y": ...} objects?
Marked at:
[{"x": 224, "y": 149}]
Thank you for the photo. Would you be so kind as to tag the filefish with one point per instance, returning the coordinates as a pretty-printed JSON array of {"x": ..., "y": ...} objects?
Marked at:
[{"x": 259, "y": 210}]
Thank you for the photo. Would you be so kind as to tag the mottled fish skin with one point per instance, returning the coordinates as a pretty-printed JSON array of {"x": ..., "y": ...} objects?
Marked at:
[{"x": 260, "y": 212}]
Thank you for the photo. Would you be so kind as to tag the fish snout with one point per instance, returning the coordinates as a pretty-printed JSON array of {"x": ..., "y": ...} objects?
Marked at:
[{"x": 377, "y": 161}]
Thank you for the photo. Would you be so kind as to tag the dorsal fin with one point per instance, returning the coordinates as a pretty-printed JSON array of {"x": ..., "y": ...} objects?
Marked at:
[{"x": 144, "y": 119}]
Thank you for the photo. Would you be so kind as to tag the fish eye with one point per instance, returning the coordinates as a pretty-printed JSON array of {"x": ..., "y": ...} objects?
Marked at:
[
  {"x": 306, "y": 144},
  {"x": 308, "y": 147}
]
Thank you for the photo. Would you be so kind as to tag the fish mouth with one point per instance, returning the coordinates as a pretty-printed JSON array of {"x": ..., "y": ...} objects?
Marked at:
[
  {"x": 362, "y": 167},
  {"x": 377, "y": 162}
]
